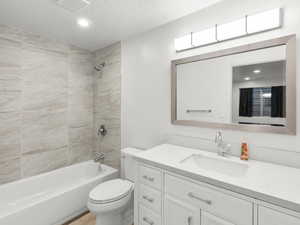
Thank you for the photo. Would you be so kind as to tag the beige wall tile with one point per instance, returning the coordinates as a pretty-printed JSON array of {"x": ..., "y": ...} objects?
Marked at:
[
  {"x": 11, "y": 33},
  {"x": 45, "y": 80},
  {"x": 81, "y": 135},
  {"x": 10, "y": 142},
  {"x": 46, "y": 104},
  {"x": 44, "y": 130},
  {"x": 9, "y": 170},
  {"x": 11, "y": 79},
  {"x": 10, "y": 101},
  {"x": 107, "y": 108},
  {"x": 10, "y": 54},
  {"x": 33, "y": 164},
  {"x": 80, "y": 152}
]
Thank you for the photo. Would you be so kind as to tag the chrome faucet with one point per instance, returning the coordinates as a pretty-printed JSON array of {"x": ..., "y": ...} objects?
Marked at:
[
  {"x": 223, "y": 147},
  {"x": 99, "y": 158}
]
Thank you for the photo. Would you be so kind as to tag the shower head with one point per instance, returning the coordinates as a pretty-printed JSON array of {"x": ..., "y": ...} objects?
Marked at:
[{"x": 99, "y": 66}]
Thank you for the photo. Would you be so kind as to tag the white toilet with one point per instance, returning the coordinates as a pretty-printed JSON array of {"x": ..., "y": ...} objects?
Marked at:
[{"x": 109, "y": 200}]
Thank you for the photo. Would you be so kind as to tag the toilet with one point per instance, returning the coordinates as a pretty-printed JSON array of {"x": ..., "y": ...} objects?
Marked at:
[{"x": 110, "y": 200}]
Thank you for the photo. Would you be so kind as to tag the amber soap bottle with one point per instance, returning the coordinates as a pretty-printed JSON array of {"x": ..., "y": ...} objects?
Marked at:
[{"x": 244, "y": 151}]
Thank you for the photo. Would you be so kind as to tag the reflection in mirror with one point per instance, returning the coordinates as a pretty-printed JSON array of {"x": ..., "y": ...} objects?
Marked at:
[
  {"x": 251, "y": 87},
  {"x": 258, "y": 95},
  {"x": 245, "y": 88}
]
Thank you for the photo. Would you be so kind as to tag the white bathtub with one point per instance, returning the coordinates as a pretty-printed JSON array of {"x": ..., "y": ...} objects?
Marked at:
[{"x": 51, "y": 198}]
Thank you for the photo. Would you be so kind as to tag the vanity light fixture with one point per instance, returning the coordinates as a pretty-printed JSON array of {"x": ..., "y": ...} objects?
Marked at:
[
  {"x": 248, "y": 25},
  {"x": 264, "y": 21},
  {"x": 83, "y": 22},
  {"x": 204, "y": 37},
  {"x": 247, "y": 78},
  {"x": 231, "y": 30},
  {"x": 256, "y": 71},
  {"x": 184, "y": 42}
]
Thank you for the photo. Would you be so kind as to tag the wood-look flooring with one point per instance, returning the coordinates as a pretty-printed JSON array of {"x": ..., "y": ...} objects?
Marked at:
[{"x": 85, "y": 219}]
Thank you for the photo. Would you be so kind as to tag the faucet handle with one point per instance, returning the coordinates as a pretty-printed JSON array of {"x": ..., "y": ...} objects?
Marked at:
[{"x": 218, "y": 137}]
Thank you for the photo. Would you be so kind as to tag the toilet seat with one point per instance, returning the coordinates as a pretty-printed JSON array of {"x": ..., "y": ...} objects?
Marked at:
[{"x": 110, "y": 191}]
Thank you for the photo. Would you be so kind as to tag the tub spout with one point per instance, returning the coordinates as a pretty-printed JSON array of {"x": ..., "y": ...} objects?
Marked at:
[{"x": 99, "y": 158}]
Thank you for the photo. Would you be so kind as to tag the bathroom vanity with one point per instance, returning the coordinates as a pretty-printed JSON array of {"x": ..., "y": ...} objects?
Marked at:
[{"x": 184, "y": 186}]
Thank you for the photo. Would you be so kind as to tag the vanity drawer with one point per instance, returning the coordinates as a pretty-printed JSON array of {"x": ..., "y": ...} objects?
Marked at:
[
  {"x": 268, "y": 216},
  {"x": 150, "y": 197},
  {"x": 150, "y": 176},
  {"x": 230, "y": 208},
  {"x": 147, "y": 217}
]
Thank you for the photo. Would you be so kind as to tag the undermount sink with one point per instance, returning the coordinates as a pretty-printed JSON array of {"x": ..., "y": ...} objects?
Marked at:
[{"x": 217, "y": 164}]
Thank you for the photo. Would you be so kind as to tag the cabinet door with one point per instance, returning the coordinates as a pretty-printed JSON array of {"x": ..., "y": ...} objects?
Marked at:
[
  {"x": 178, "y": 212},
  {"x": 208, "y": 219},
  {"x": 268, "y": 216}
]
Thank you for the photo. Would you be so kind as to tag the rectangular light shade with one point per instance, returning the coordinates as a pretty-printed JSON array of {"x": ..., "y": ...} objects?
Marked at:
[
  {"x": 264, "y": 21},
  {"x": 184, "y": 42},
  {"x": 204, "y": 37},
  {"x": 230, "y": 30}
]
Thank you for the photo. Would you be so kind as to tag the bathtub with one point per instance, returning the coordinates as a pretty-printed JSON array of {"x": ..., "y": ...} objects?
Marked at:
[{"x": 51, "y": 198}]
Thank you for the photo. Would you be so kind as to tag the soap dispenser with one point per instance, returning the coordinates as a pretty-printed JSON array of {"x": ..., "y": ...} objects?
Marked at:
[{"x": 244, "y": 151}]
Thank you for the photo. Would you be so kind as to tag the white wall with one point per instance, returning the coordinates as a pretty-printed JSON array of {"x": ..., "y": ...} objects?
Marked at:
[{"x": 146, "y": 97}]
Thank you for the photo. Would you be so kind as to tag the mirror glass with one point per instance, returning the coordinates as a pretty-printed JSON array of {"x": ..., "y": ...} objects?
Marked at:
[{"x": 245, "y": 88}]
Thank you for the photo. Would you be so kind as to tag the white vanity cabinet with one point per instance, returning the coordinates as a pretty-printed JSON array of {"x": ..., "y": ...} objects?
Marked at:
[
  {"x": 148, "y": 196},
  {"x": 209, "y": 219},
  {"x": 230, "y": 208},
  {"x": 166, "y": 198},
  {"x": 267, "y": 216},
  {"x": 179, "y": 212}
]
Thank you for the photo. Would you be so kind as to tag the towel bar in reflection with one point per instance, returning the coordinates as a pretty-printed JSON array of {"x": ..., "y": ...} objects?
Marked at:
[{"x": 198, "y": 110}]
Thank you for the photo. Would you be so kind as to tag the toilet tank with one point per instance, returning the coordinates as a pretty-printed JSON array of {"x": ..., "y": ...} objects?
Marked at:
[{"x": 128, "y": 164}]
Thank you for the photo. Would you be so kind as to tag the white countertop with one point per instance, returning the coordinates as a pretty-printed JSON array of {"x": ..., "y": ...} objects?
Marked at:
[{"x": 268, "y": 182}]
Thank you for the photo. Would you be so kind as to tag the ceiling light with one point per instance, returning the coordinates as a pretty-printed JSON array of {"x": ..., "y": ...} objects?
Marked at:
[
  {"x": 83, "y": 22},
  {"x": 247, "y": 78},
  {"x": 256, "y": 71}
]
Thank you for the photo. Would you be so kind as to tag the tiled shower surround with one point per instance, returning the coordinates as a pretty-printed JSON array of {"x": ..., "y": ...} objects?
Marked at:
[
  {"x": 46, "y": 105},
  {"x": 107, "y": 98}
]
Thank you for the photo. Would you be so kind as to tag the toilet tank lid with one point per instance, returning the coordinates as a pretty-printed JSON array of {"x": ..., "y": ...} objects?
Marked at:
[{"x": 131, "y": 151}]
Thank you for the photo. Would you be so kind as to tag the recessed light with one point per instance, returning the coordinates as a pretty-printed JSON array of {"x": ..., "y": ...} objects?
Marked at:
[
  {"x": 247, "y": 78},
  {"x": 83, "y": 22},
  {"x": 256, "y": 71}
]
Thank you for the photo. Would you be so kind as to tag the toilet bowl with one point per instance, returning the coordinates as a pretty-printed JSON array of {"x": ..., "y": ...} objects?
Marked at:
[{"x": 109, "y": 200}]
